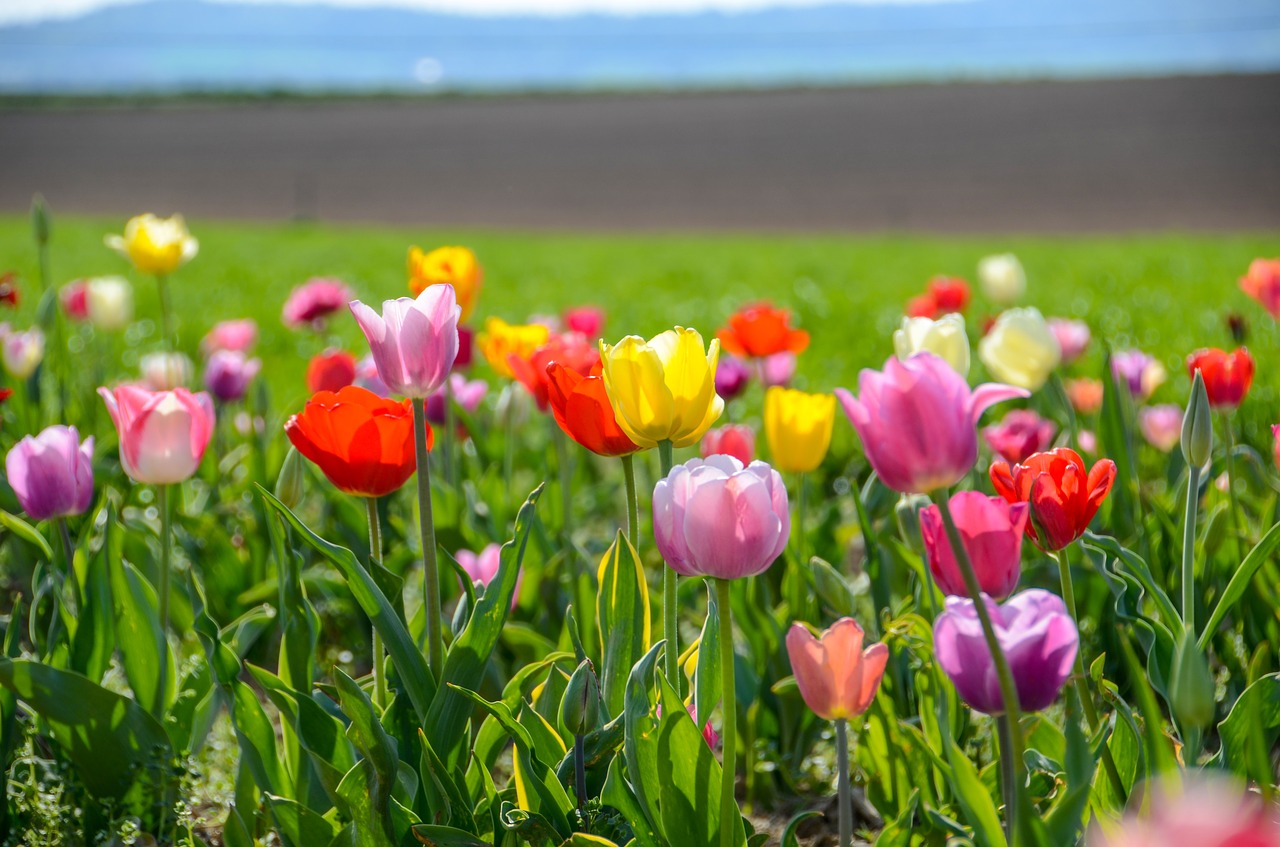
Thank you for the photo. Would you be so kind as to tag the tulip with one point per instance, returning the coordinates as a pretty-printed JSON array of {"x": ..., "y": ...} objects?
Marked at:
[
  {"x": 587, "y": 320},
  {"x": 109, "y": 301},
  {"x": 163, "y": 371},
  {"x": 414, "y": 342},
  {"x": 1161, "y": 426},
  {"x": 736, "y": 440},
  {"x": 917, "y": 421},
  {"x": 500, "y": 341},
  {"x": 944, "y": 337},
  {"x": 1275, "y": 447},
  {"x": 572, "y": 350},
  {"x": 581, "y": 408},
  {"x": 163, "y": 434},
  {"x": 1036, "y": 635},
  {"x": 798, "y": 427},
  {"x": 9, "y": 289},
  {"x": 663, "y": 389},
  {"x": 1020, "y": 349},
  {"x": 228, "y": 373},
  {"x": 1141, "y": 373},
  {"x": 1086, "y": 395},
  {"x": 709, "y": 735},
  {"x": 1002, "y": 277},
  {"x": 237, "y": 336},
  {"x": 455, "y": 266},
  {"x": 1073, "y": 337},
  {"x": 777, "y": 369},
  {"x": 74, "y": 299},
  {"x": 482, "y": 567},
  {"x": 732, "y": 377},
  {"x": 837, "y": 678},
  {"x": 1020, "y": 434},
  {"x": 991, "y": 530},
  {"x": 368, "y": 379},
  {"x": 467, "y": 393},
  {"x": 1063, "y": 495},
  {"x": 1087, "y": 439},
  {"x": 1196, "y": 810},
  {"x": 949, "y": 293},
  {"x": 466, "y": 348},
  {"x": 155, "y": 245},
  {"x": 923, "y": 306},
  {"x": 1262, "y": 283},
  {"x": 1227, "y": 376},
  {"x": 311, "y": 304},
  {"x": 760, "y": 330},
  {"x": 21, "y": 351},
  {"x": 52, "y": 473},
  {"x": 331, "y": 370}
]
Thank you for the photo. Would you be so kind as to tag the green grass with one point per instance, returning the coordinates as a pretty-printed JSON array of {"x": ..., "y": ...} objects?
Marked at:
[{"x": 1165, "y": 293}]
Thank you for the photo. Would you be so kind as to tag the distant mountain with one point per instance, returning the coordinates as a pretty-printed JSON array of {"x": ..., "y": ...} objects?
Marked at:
[{"x": 183, "y": 45}]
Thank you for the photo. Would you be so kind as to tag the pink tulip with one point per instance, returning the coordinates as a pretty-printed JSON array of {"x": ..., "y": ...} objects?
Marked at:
[
  {"x": 52, "y": 473},
  {"x": 239, "y": 336},
  {"x": 368, "y": 379},
  {"x": 163, "y": 434},
  {"x": 588, "y": 320},
  {"x": 1161, "y": 426},
  {"x": 736, "y": 440},
  {"x": 1194, "y": 810},
  {"x": 1275, "y": 449},
  {"x": 467, "y": 393},
  {"x": 709, "y": 735},
  {"x": 228, "y": 373},
  {"x": 732, "y": 376},
  {"x": 482, "y": 567},
  {"x": 74, "y": 297},
  {"x": 991, "y": 529},
  {"x": 1139, "y": 371},
  {"x": 310, "y": 304},
  {"x": 916, "y": 419},
  {"x": 1073, "y": 337},
  {"x": 778, "y": 369},
  {"x": 837, "y": 677},
  {"x": 1021, "y": 433},
  {"x": 1088, "y": 441},
  {"x": 716, "y": 518},
  {"x": 414, "y": 341}
]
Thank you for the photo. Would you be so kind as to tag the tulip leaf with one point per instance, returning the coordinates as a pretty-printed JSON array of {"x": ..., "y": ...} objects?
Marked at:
[
  {"x": 707, "y": 682},
  {"x": 138, "y": 626},
  {"x": 1240, "y": 580},
  {"x": 979, "y": 810},
  {"x": 447, "y": 836},
  {"x": 640, "y": 740},
  {"x": 622, "y": 615},
  {"x": 299, "y": 826},
  {"x": 27, "y": 533},
  {"x": 618, "y": 794},
  {"x": 789, "y": 838},
  {"x": 1257, "y": 709}
]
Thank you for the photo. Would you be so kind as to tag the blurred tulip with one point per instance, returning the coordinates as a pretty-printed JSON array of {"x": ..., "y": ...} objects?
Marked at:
[
  {"x": 944, "y": 337},
  {"x": 709, "y": 735},
  {"x": 663, "y": 389},
  {"x": 361, "y": 442},
  {"x": 760, "y": 330},
  {"x": 1064, "y": 496},
  {"x": 5, "y": 394},
  {"x": 1020, "y": 349},
  {"x": 1087, "y": 439},
  {"x": 21, "y": 350},
  {"x": 9, "y": 289},
  {"x": 949, "y": 293},
  {"x": 1275, "y": 446},
  {"x": 1086, "y": 395},
  {"x": 1195, "y": 809},
  {"x": 572, "y": 350},
  {"x": 74, "y": 299},
  {"x": 482, "y": 567},
  {"x": 1227, "y": 376},
  {"x": 732, "y": 377},
  {"x": 1073, "y": 337},
  {"x": 991, "y": 530},
  {"x": 716, "y": 518},
  {"x": 501, "y": 340},
  {"x": 456, "y": 266},
  {"x": 311, "y": 304},
  {"x": 52, "y": 473},
  {"x": 1002, "y": 278},
  {"x": 736, "y": 440},
  {"x": 587, "y": 320},
  {"x": 1141, "y": 373},
  {"x": 237, "y": 336},
  {"x": 228, "y": 373},
  {"x": 164, "y": 371},
  {"x": 1021, "y": 433},
  {"x": 777, "y": 370},
  {"x": 917, "y": 419},
  {"x": 922, "y": 306},
  {"x": 155, "y": 245},
  {"x": 331, "y": 370},
  {"x": 368, "y": 379},
  {"x": 1036, "y": 635},
  {"x": 1262, "y": 283},
  {"x": 467, "y": 393},
  {"x": 798, "y": 427},
  {"x": 109, "y": 300},
  {"x": 581, "y": 407},
  {"x": 163, "y": 434},
  {"x": 414, "y": 342},
  {"x": 1161, "y": 426},
  {"x": 838, "y": 679},
  {"x": 466, "y": 348}
]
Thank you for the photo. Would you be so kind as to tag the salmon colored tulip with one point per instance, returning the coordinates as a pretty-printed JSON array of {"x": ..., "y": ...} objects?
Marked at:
[
  {"x": 1085, "y": 395},
  {"x": 1227, "y": 376},
  {"x": 456, "y": 266},
  {"x": 163, "y": 434},
  {"x": 500, "y": 341},
  {"x": 798, "y": 426},
  {"x": 572, "y": 350},
  {"x": 663, "y": 389},
  {"x": 736, "y": 440},
  {"x": 581, "y": 407},
  {"x": 837, "y": 677},
  {"x": 761, "y": 330},
  {"x": 1063, "y": 494},
  {"x": 1262, "y": 283},
  {"x": 155, "y": 245}
]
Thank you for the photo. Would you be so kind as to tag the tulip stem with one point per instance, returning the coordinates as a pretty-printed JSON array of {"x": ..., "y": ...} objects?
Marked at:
[
  {"x": 166, "y": 313},
  {"x": 1229, "y": 438},
  {"x": 1189, "y": 548},
  {"x": 633, "y": 502},
  {"x": 427, "y": 529},
  {"x": 844, "y": 790},
  {"x": 670, "y": 631},
  {"x": 449, "y": 438},
  {"x": 800, "y": 510},
  {"x": 729, "y": 720},
  {"x": 69, "y": 550},
  {"x": 565, "y": 474},
  {"x": 580, "y": 773},
  {"x": 375, "y": 559},
  {"x": 162, "y": 591},
  {"x": 1008, "y": 774}
]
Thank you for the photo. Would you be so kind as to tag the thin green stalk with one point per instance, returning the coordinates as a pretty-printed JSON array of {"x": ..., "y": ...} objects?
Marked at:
[
  {"x": 69, "y": 551},
  {"x": 166, "y": 552},
  {"x": 427, "y": 530},
  {"x": 1189, "y": 548},
  {"x": 800, "y": 513},
  {"x": 844, "y": 791},
  {"x": 671, "y": 632},
  {"x": 1008, "y": 774},
  {"x": 633, "y": 502},
  {"x": 1231, "y": 484},
  {"x": 580, "y": 772},
  {"x": 565, "y": 475},
  {"x": 449, "y": 439},
  {"x": 729, "y": 730},
  {"x": 375, "y": 558},
  {"x": 166, "y": 313}
]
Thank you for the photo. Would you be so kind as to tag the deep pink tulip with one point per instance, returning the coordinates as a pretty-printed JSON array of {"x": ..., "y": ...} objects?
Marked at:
[
  {"x": 228, "y": 373},
  {"x": 1073, "y": 337},
  {"x": 1193, "y": 810},
  {"x": 482, "y": 567},
  {"x": 52, "y": 473},
  {"x": 1021, "y": 433},
  {"x": 163, "y": 434},
  {"x": 917, "y": 419},
  {"x": 1038, "y": 638},
  {"x": 74, "y": 297},
  {"x": 736, "y": 440},
  {"x": 1161, "y": 426},
  {"x": 709, "y": 735},
  {"x": 310, "y": 304},
  {"x": 732, "y": 376},
  {"x": 587, "y": 320},
  {"x": 239, "y": 335},
  {"x": 713, "y": 517},
  {"x": 837, "y": 677},
  {"x": 992, "y": 530},
  {"x": 414, "y": 341}
]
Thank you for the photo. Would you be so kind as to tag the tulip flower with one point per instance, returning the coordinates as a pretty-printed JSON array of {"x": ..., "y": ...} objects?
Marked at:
[
  {"x": 760, "y": 330},
  {"x": 21, "y": 351},
  {"x": 736, "y": 440},
  {"x": 331, "y": 370},
  {"x": 52, "y": 473},
  {"x": 1086, "y": 395},
  {"x": 991, "y": 530},
  {"x": 467, "y": 393},
  {"x": 367, "y": 378},
  {"x": 949, "y": 293},
  {"x": 74, "y": 299},
  {"x": 732, "y": 377},
  {"x": 1275, "y": 447},
  {"x": 917, "y": 421},
  {"x": 944, "y": 337},
  {"x": 778, "y": 369},
  {"x": 1227, "y": 376},
  {"x": 1196, "y": 810},
  {"x": 163, "y": 434},
  {"x": 9, "y": 289},
  {"x": 581, "y": 408},
  {"x": 798, "y": 427},
  {"x": 1141, "y": 373},
  {"x": 587, "y": 320},
  {"x": 1020, "y": 349},
  {"x": 663, "y": 389},
  {"x": 238, "y": 336},
  {"x": 1002, "y": 278},
  {"x": 157, "y": 246},
  {"x": 163, "y": 371},
  {"x": 1036, "y": 635},
  {"x": 311, "y": 304},
  {"x": 1073, "y": 337},
  {"x": 1161, "y": 426},
  {"x": 922, "y": 306},
  {"x": 1262, "y": 283},
  {"x": 482, "y": 567},
  {"x": 500, "y": 341},
  {"x": 414, "y": 342},
  {"x": 455, "y": 266},
  {"x": 228, "y": 373},
  {"x": 109, "y": 301},
  {"x": 572, "y": 350},
  {"x": 1088, "y": 441},
  {"x": 1063, "y": 494},
  {"x": 1021, "y": 433}
]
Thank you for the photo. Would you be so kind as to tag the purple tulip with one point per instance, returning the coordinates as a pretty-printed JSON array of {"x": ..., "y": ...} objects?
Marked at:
[
  {"x": 52, "y": 473},
  {"x": 991, "y": 529},
  {"x": 228, "y": 373},
  {"x": 1139, "y": 371},
  {"x": 413, "y": 341},
  {"x": 917, "y": 420},
  {"x": 467, "y": 393},
  {"x": 714, "y": 517},
  {"x": 1038, "y": 638},
  {"x": 732, "y": 377}
]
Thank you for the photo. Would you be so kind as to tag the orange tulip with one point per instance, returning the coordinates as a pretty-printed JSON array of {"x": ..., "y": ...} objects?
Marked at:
[
  {"x": 581, "y": 408},
  {"x": 760, "y": 330},
  {"x": 837, "y": 678}
]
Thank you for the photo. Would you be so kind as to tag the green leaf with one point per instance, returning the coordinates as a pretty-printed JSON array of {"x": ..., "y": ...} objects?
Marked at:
[
  {"x": 27, "y": 533},
  {"x": 789, "y": 838},
  {"x": 299, "y": 826},
  {"x": 979, "y": 810},
  {"x": 618, "y": 794},
  {"x": 1067, "y": 819},
  {"x": 447, "y": 836},
  {"x": 622, "y": 615},
  {"x": 1257, "y": 709},
  {"x": 707, "y": 681},
  {"x": 1240, "y": 580},
  {"x": 143, "y": 642},
  {"x": 95, "y": 638},
  {"x": 370, "y": 827},
  {"x": 640, "y": 744}
]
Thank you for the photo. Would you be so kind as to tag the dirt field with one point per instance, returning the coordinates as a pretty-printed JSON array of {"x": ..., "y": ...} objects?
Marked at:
[{"x": 1195, "y": 154}]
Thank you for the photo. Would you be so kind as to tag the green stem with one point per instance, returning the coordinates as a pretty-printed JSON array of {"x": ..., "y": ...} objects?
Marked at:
[
  {"x": 375, "y": 559},
  {"x": 671, "y": 632},
  {"x": 729, "y": 730},
  {"x": 166, "y": 552},
  {"x": 800, "y": 512},
  {"x": 843, "y": 790},
  {"x": 1008, "y": 774},
  {"x": 633, "y": 502},
  {"x": 1231, "y": 484},
  {"x": 580, "y": 772},
  {"x": 565, "y": 475},
  {"x": 69, "y": 551},
  {"x": 1189, "y": 548},
  {"x": 449, "y": 438},
  {"x": 427, "y": 530},
  {"x": 166, "y": 313}
]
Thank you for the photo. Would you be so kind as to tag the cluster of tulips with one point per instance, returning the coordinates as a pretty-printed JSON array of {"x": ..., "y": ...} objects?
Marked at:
[{"x": 598, "y": 760}]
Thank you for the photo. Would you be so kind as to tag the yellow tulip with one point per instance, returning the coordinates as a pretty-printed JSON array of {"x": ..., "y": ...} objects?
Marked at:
[
  {"x": 155, "y": 245},
  {"x": 501, "y": 340},
  {"x": 798, "y": 426},
  {"x": 456, "y": 266},
  {"x": 663, "y": 389}
]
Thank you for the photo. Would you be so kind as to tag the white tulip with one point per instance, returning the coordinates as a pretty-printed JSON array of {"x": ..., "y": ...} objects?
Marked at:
[
  {"x": 22, "y": 351},
  {"x": 1002, "y": 278},
  {"x": 944, "y": 337},
  {"x": 109, "y": 301},
  {"x": 1020, "y": 349},
  {"x": 166, "y": 371}
]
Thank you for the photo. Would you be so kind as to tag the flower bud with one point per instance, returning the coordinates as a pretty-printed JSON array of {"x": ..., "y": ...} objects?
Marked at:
[
  {"x": 41, "y": 220},
  {"x": 1197, "y": 426},
  {"x": 908, "y": 514},
  {"x": 580, "y": 708},
  {"x": 1191, "y": 685},
  {"x": 289, "y": 484}
]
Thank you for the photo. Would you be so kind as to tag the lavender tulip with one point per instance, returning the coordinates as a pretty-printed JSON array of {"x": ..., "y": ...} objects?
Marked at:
[
  {"x": 228, "y": 374},
  {"x": 413, "y": 341},
  {"x": 52, "y": 473}
]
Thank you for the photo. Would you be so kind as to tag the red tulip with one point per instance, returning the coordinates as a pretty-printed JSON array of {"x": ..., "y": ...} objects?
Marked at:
[
  {"x": 1064, "y": 496},
  {"x": 923, "y": 306},
  {"x": 760, "y": 330},
  {"x": 1227, "y": 376},
  {"x": 573, "y": 350},
  {"x": 9, "y": 289},
  {"x": 331, "y": 370},
  {"x": 736, "y": 440},
  {"x": 949, "y": 293},
  {"x": 581, "y": 408}
]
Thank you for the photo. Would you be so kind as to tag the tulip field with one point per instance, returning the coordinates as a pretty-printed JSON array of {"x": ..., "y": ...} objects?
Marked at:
[{"x": 352, "y": 536}]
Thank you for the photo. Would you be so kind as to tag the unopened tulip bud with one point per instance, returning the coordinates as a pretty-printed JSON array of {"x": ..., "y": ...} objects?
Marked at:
[
  {"x": 1197, "y": 426},
  {"x": 290, "y": 482},
  {"x": 41, "y": 220},
  {"x": 908, "y": 514},
  {"x": 1191, "y": 685},
  {"x": 580, "y": 708}
]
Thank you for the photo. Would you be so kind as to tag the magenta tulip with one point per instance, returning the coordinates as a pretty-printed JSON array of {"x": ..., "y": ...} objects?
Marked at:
[
  {"x": 1020, "y": 434},
  {"x": 52, "y": 473},
  {"x": 228, "y": 373},
  {"x": 917, "y": 420},
  {"x": 991, "y": 529},
  {"x": 310, "y": 304},
  {"x": 467, "y": 393},
  {"x": 413, "y": 341},
  {"x": 716, "y": 518},
  {"x": 732, "y": 377},
  {"x": 163, "y": 434}
]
